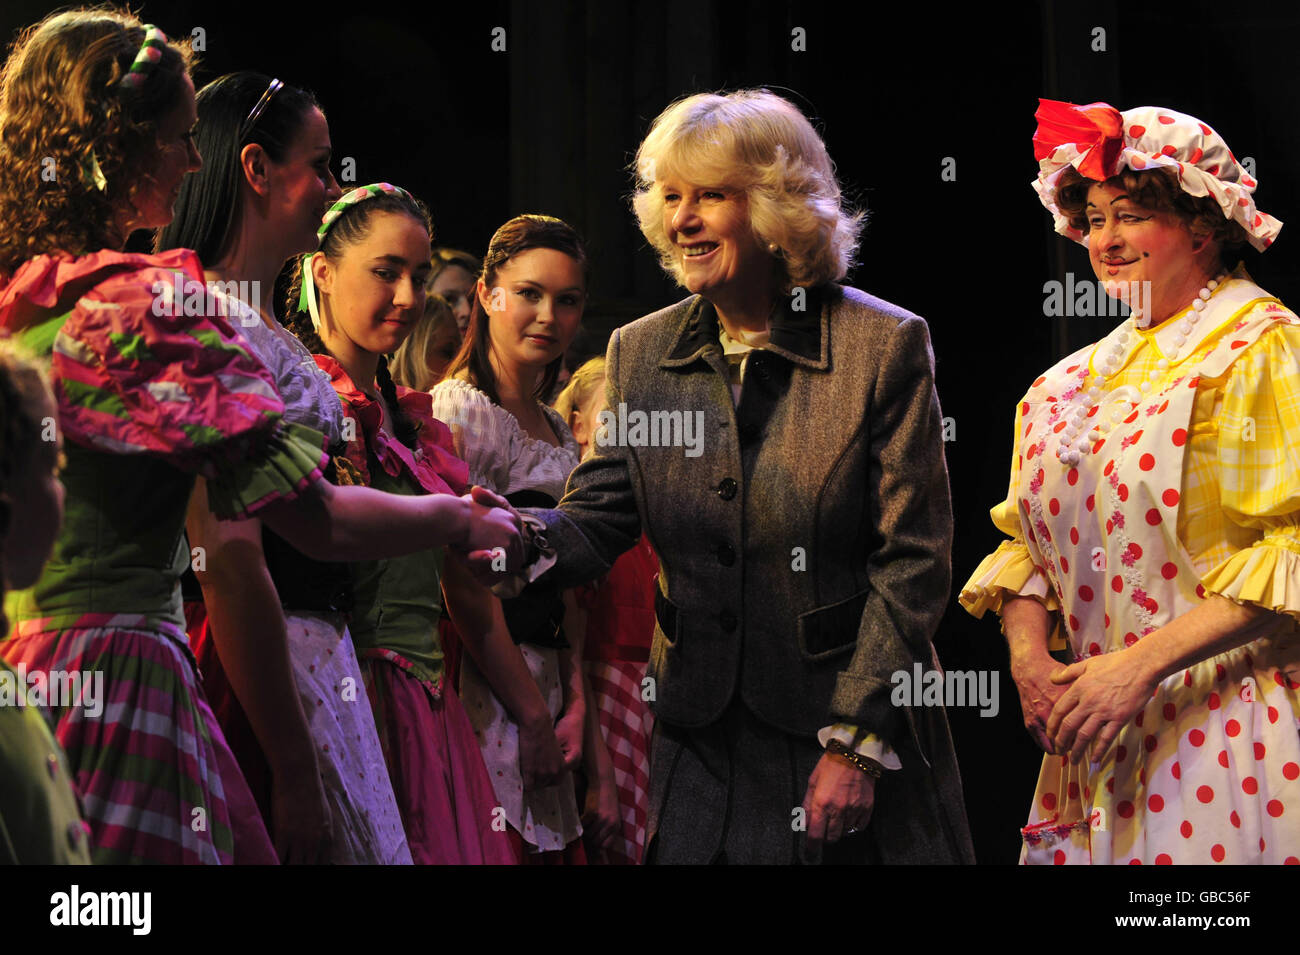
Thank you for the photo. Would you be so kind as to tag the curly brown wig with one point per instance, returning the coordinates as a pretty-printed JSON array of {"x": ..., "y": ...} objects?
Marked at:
[
  {"x": 1155, "y": 189},
  {"x": 60, "y": 100}
]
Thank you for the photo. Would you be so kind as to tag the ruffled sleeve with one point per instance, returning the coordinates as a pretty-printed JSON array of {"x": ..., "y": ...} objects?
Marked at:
[
  {"x": 1010, "y": 569},
  {"x": 142, "y": 365},
  {"x": 478, "y": 432},
  {"x": 432, "y": 463},
  {"x": 1259, "y": 472}
]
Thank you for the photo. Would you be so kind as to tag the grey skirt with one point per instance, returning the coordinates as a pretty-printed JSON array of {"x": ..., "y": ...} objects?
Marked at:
[{"x": 731, "y": 793}]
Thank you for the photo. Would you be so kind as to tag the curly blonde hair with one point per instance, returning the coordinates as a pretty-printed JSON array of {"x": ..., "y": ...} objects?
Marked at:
[
  {"x": 61, "y": 103},
  {"x": 760, "y": 143}
]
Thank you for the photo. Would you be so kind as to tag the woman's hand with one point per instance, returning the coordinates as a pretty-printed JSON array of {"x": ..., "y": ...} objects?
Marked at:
[
  {"x": 1032, "y": 674},
  {"x": 300, "y": 818},
  {"x": 568, "y": 732},
  {"x": 541, "y": 763},
  {"x": 1104, "y": 693},
  {"x": 600, "y": 816},
  {"x": 839, "y": 798},
  {"x": 572, "y": 725},
  {"x": 492, "y": 528}
]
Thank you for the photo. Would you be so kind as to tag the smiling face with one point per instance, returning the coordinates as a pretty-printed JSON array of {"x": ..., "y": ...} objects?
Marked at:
[
  {"x": 533, "y": 309},
  {"x": 302, "y": 187},
  {"x": 1129, "y": 243},
  {"x": 152, "y": 205},
  {"x": 709, "y": 228},
  {"x": 374, "y": 292}
]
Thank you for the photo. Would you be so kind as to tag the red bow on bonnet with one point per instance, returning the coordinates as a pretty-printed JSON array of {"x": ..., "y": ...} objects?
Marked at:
[{"x": 1096, "y": 130}]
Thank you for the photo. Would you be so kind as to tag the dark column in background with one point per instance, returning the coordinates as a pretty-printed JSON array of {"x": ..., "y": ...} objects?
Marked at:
[
  {"x": 1075, "y": 72},
  {"x": 585, "y": 85}
]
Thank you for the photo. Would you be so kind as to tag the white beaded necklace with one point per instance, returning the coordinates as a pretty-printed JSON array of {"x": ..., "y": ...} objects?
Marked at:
[{"x": 1074, "y": 443}]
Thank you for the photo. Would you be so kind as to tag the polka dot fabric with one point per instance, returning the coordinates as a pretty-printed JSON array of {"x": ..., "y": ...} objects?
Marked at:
[
  {"x": 1101, "y": 142},
  {"x": 1209, "y": 771}
]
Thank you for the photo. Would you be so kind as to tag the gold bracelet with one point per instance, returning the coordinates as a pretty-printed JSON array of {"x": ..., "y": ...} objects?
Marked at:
[{"x": 864, "y": 763}]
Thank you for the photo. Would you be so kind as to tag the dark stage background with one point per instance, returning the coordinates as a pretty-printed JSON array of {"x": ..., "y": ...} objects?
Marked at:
[{"x": 418, "y": 97}]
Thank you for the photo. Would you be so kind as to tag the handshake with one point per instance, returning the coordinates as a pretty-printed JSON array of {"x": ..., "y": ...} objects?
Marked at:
[{"x": 497, "y": 542}]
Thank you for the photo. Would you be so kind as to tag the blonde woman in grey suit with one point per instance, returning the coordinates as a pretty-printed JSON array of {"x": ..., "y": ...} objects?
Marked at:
[{"x": 777, "y": 436}]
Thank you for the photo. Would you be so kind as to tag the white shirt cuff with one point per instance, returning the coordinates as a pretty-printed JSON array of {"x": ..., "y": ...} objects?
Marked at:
[{"x": 864, "y": 744}]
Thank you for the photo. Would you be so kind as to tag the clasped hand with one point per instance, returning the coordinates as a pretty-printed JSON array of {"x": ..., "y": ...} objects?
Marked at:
[
  {"x": 493, "y": 544},
  {"x": 1103, "y": 694}
]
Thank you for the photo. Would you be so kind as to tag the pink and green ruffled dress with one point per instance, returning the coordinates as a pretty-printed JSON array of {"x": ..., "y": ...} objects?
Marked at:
[
  {"x": 149, "y": 397},
  {"x": 443, "y": 789}
]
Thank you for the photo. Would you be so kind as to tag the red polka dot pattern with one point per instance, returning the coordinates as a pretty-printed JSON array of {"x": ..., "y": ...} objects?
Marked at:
[{"x": 1243, "y": 771}]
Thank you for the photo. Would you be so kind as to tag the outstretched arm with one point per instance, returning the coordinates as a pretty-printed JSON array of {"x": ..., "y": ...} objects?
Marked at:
[{"x": 360, "y": 523}]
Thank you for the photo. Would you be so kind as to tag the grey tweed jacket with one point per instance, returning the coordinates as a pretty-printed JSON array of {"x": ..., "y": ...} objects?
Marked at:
[{"x": 804, "y": 541}]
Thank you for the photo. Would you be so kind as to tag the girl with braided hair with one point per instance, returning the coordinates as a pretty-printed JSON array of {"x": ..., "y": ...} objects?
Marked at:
[
  {"x": 151, "y": 392},
  {"x": 39, "y": 820},
  {"x": 359, "y": 297}
]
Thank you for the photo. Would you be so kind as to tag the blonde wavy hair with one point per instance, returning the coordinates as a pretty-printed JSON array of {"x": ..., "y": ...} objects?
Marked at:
[
  {"x": 410, "y": 363},
  {"x": 761, "y": 144},
  {"x": 61, "y": 101},
  {"x": 582, "y": 385}
]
